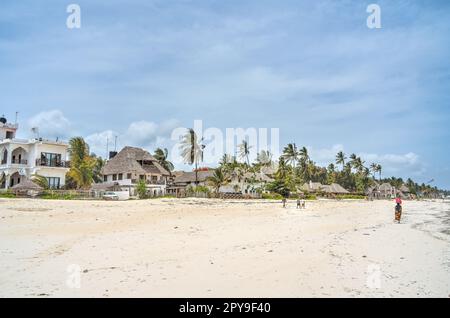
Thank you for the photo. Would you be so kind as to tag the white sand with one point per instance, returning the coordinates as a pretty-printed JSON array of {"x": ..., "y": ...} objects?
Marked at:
[{"x": 213, "y": 248}]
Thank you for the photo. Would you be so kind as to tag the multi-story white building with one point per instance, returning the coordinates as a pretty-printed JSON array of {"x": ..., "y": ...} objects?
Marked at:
[
  {"x": 132, "y": 164},
  {"x": 22, "y": 158}
]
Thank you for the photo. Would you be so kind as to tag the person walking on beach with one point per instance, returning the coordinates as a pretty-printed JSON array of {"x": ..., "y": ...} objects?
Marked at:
[
  {"x": 284, "y": 202},
  {"x": 398, "y": 209}
]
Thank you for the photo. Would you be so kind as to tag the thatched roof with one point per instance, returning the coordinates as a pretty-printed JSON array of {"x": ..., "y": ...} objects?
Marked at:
[
  {"x": 334, "y": 188},
  {"x": 189, "y": 177},
  {"x": 404, "y": 189},
  {"x": 133, "y": 160},
  {"x": 385, "y": 187},
  {"x": 27, "y": 184},
  {"x": 311, "y": 186}
]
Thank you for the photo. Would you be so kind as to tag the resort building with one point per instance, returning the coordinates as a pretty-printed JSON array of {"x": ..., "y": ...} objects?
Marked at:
[
  {"x": 22, "y": 158},
  {"x": 133, "y": 164}
]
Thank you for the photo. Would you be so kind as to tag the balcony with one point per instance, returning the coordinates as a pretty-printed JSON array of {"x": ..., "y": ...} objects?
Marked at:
[
  {"x": 153, "y": 182},
  {"x": 52, "y": 163},
  {"x": 19, "y": 162}
]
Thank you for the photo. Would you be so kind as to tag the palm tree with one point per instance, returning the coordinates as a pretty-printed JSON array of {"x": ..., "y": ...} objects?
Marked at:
[
  {"x": 244, "y": 151},
  {"x": 291, "y": 154},
  {"x": 81, "y": 164},
  {"x": 379, "y": 170},
  {"x": 192, "y": 150},
  {"x": 40, "y": 181},
  {"x": 78, "y": 150},
  {"x": 340, "y": 159},
  {"x": 162, "y": 155},
  {"x": 304, "y": 156},
  {"x": 218, "y": 179},
  {"x": 373, "y": 168}
]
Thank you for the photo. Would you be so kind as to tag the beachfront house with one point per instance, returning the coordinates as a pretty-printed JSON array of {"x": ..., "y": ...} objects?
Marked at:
[
  {"x": 132, "y": 164},
  {"x": 20, "y": 159}
]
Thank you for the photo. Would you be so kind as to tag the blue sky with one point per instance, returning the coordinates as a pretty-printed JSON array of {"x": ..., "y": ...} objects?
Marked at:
[{"x": 138, "y": 69}]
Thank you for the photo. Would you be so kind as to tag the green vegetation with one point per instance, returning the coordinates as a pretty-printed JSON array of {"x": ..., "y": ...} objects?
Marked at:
[
  {"x": 50, "y": 195},
  {"x": 271, "y": 196},
  {"x": 84, "y": 168},
  {"x": 7, "y": 195},
  {"x": 351, "y": 196},
  {"x": 141, "y": 189}
]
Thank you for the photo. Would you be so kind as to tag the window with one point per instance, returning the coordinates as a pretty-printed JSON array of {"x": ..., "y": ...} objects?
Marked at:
[
  {"x": 50, "y": 159},
  {"x": 53, "y": 182},
  {"x": 154, "y": 178},
  {"x": 142, "y": 177},
  {"x": 120, "y": 176},
  {"x": 128, "y": 175},
  {"x": 114, "y": 177},
  {"x": 105, "y": 178}
]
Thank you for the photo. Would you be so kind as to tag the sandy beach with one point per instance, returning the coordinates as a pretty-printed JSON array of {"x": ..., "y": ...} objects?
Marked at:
[{"x": 215, "y": 248}]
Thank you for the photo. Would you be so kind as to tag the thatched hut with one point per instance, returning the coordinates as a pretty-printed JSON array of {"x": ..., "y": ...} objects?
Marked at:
[{"x": 27, "y": 188}]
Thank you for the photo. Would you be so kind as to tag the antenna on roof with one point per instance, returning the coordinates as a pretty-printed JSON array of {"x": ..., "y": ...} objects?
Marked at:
[
  {"x": 107, "y": 147},
  {"x": 115, "y": 143},
  {"x": 17, "y": 115},
  {"x": 35, "y": 131}
]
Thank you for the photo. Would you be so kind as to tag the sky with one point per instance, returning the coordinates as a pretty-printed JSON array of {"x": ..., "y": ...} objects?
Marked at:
[{"x": 138, "y": 69}]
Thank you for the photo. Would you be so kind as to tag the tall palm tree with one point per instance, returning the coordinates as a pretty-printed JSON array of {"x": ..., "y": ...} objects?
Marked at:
[
  {"x": 379, "y": 170},
  {"x": 340, "y": 159},
  {"x": 291, "y": 154},
  {"x": 78, "y": 150},
  {"x": 162, "y": 156},
  {"x": 304, "y": 156},
  {"x": 218, "y": 179},
  {"x": 374, "y": 168},
  {"x": 81, "y": 163},
  {"x": 244, "y": 151},
  {"x": 192, "y": 150}
]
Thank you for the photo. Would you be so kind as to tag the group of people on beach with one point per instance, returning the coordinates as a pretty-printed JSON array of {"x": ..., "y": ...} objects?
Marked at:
[{"x": 301, "y": 204}]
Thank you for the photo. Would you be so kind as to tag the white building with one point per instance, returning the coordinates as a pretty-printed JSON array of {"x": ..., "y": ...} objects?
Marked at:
[{"x": 21, "y": 158}]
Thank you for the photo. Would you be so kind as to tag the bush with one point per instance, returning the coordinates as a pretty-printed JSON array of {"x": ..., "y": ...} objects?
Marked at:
[
  {"x": 141, "y": 189},
  {"x": 272, "y": 196},
  {"x": 7, "y": 194},
  {"x": 57, "y": 196},
  {"x": 351, "y": 196},
  {"x": 310, "y": 197}
]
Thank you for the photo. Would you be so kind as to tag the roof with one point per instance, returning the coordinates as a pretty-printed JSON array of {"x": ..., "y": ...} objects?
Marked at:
[
  {"x": 404, "y": 188},
  {"x": 311, "y": 186},
  {"x": 334, "y": 188},
  {"x": 385, "y": 187},
  {"x": 27, "y": 184},
  {"x": 187, "y": 177},
  {"x": 126, "y": 161}
]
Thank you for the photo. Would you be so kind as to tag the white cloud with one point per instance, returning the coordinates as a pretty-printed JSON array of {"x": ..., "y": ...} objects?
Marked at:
[
  {"x": 51, "y": 124},
  {"x": 399, "y": 165},
  {"x": 144, "y": 134}
]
